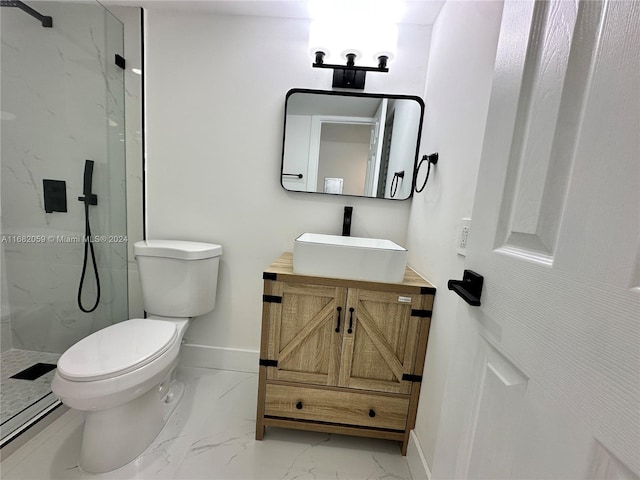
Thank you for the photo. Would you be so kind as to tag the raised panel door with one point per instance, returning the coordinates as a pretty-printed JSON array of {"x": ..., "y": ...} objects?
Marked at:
[
  {"x": 302, "y": 334},
  {"x": 380, "y": 340},
  {"x": 544, "y": 382}
]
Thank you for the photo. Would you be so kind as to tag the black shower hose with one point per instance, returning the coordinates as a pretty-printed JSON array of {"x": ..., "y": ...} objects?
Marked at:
[{"x": 88, "y": 244}]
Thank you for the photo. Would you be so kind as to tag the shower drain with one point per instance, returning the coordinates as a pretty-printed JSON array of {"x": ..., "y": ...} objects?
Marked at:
[{"x": 34, "y": 371}]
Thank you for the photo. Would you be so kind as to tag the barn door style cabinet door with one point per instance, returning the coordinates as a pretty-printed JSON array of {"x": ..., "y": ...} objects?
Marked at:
[{"x": 342, "y": 356}]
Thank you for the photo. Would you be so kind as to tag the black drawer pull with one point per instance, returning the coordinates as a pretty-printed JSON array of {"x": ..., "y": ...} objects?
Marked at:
[
  {"x": 350, "y": 320},
  {"x": 299, "y": 405},
  {"x": 338, "y": 325},
  {"x": 372, "y": 413}
]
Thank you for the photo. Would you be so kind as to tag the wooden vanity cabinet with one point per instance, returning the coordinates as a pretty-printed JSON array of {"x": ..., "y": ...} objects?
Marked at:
[{"x": 342, "y": 356}]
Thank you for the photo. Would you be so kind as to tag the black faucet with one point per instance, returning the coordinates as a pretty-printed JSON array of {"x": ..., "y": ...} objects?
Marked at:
[{"x": 346, "y": 222}]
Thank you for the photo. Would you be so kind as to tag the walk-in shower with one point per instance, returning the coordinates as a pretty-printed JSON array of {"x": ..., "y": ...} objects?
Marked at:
[{"x": 62, "y": 102}]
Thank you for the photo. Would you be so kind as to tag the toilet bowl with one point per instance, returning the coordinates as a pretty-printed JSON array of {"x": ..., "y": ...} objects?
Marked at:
[{"x": 122, "y": 377}]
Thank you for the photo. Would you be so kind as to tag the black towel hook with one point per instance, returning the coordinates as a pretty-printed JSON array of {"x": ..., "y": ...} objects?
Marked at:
[
  {"x": 395, "y": 181},
  {"x": 431, "y": 159}
]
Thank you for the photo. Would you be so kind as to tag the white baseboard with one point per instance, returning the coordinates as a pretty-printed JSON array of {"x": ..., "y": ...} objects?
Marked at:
[
  {"x": 205, "y": 356},
  {"x": 418, "y": 465}
]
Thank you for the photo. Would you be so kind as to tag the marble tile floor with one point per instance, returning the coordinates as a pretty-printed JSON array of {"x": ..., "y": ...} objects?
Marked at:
[
  {"x": 211, "y": 436},
  {"x": 17, "y": 395}
]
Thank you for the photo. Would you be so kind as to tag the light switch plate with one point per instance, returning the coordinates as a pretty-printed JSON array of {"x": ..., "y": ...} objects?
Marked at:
[{"x": 463, "y": 236}]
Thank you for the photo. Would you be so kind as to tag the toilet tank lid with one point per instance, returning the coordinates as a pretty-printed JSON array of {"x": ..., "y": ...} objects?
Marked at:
[{"x": 176, "y": 249}]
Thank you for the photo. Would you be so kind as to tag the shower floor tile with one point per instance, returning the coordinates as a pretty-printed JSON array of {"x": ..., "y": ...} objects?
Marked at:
[
  {"x": 211, "y": 436},
  {"x": 17, "y": 394}
]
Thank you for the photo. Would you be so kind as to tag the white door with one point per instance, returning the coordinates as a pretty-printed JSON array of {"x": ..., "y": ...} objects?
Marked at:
[
  {"x": 375, "y": 150},
  {"x": 545, "y": 379}
]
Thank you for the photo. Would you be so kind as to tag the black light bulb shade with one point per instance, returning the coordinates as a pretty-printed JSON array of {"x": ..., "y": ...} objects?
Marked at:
[
  {"x": 320, "y": 57},
  {"x": 382, "y": 61}
]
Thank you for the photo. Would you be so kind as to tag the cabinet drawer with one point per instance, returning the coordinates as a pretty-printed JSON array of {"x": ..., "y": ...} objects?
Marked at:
[{"x": 334, "y": 406}]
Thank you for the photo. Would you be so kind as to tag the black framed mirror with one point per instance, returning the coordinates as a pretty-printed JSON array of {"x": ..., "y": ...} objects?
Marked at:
[{"x": 351, "y": 143}]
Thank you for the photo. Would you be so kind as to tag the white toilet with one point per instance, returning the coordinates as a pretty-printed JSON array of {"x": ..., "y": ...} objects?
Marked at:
[{"x": 121, "y": 376}]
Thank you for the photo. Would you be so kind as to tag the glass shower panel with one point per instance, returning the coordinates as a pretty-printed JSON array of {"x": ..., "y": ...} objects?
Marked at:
[{"x": 62, "y": 102}]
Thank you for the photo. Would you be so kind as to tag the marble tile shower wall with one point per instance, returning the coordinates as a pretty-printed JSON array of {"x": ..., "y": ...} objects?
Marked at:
[{"x": 62, "y": 103}]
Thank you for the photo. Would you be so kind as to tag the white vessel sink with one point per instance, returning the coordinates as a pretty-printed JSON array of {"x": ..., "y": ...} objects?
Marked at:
[{"x": 355, "y": 258}]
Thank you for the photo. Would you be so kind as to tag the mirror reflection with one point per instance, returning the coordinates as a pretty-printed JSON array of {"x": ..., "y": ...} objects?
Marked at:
[{"x": 358, "y": 144}]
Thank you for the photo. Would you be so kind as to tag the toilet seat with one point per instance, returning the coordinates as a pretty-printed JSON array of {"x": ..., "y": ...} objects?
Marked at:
[{"x": 117, "y": 350}]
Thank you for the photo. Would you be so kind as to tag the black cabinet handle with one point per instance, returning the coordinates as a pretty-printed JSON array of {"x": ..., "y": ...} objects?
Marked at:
[
  {"x": 350, "y": 320},
  {"x": 372, "y": 413},
  {"x": 338, "y": 325},
  {"x": 469, "y": 288},
  {"x": 299, "y": 405}
]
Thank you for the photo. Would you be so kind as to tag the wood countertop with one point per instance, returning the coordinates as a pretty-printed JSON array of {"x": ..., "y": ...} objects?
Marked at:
[{"x": 282, "y": 269}]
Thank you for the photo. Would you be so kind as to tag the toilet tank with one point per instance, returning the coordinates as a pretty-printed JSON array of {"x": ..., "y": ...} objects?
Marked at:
[{"x": 178, "y": 278}]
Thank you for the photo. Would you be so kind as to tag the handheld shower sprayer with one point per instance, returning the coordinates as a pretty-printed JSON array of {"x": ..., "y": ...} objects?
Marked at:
[{"x": 89, "y": 199}]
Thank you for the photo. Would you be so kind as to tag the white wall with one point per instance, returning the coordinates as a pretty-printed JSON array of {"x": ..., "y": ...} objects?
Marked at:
[
  {"x": 215, "y": 92},
  {"x": 459, "y": 80},
  {"x": 403, "y": 142},
  {"x": 344, "y": 151},
  {"x": 296, "y": 154}
]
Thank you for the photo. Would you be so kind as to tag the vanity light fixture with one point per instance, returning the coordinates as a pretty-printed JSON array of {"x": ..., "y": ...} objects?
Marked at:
[{"x": 350, "y": 43}]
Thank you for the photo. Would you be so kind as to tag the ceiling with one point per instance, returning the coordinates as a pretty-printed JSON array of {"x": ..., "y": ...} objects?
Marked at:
[{"x": 417, "y": 12}]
